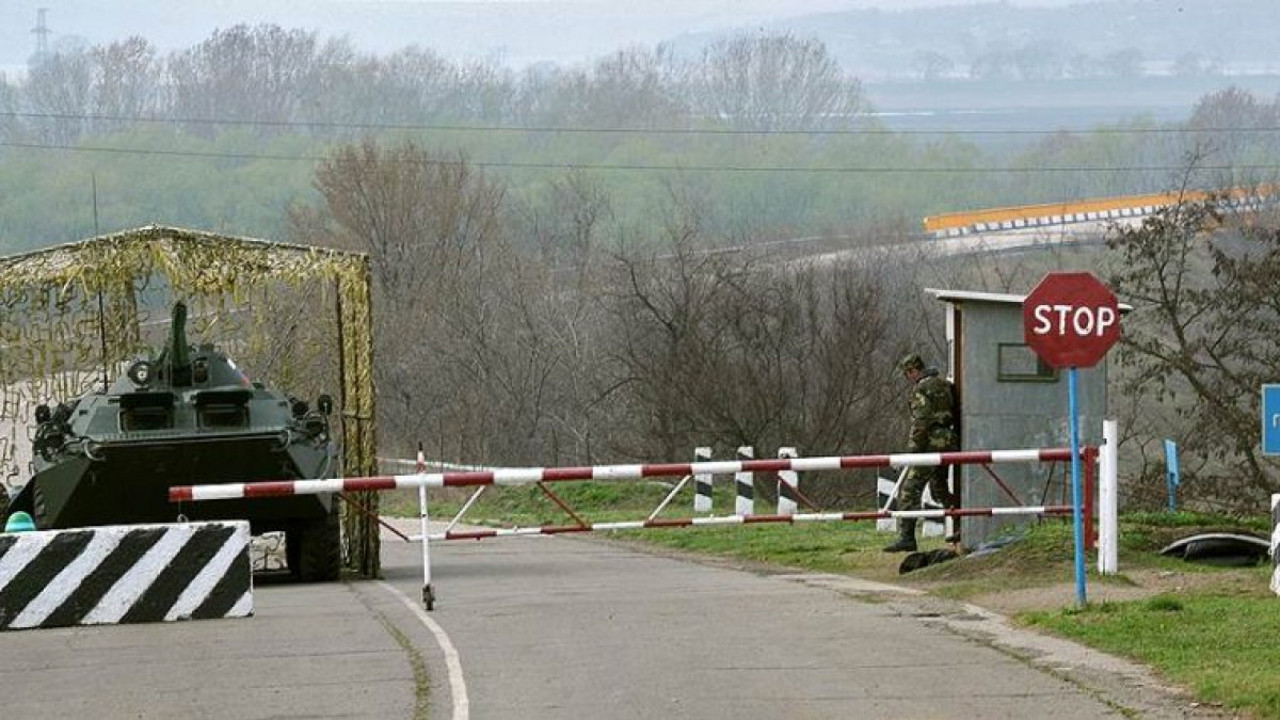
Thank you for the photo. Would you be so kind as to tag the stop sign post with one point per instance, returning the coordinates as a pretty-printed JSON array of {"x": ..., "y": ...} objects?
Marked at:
[{"x": 1071, "y": 320}]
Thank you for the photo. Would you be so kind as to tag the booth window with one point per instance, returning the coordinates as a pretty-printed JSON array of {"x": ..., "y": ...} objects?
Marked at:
[{"x": 1016, "y": 362}]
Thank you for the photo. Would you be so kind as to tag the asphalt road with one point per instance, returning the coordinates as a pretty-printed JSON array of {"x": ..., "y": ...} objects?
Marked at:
[{"x": 560, "y": 627}]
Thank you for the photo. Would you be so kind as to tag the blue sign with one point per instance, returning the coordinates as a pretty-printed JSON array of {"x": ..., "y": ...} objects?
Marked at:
[{"x": 1271, "y": 419}]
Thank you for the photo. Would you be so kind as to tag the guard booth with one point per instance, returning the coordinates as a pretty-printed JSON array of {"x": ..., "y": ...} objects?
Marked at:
[{"x": 1009, "y": 399}]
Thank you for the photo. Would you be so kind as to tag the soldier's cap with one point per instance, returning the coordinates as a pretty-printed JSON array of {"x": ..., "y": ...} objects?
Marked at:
[{"x": 910, "y": 362}]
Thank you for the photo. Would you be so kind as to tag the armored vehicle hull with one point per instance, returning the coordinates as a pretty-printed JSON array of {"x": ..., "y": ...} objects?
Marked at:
[{"x": 189, "y": 417}]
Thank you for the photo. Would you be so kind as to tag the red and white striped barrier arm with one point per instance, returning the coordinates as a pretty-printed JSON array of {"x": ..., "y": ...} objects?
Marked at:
[
  {"x": 528, "y": 476},
  {"x": 742, "y": 520}
]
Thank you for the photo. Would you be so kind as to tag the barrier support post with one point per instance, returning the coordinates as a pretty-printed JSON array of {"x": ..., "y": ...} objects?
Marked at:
[
  {"x": 1109, "y": 500},
  {"x": 428, "y": 595},
  {"x": 1275, "y": 544},
  {"x": 1090, "y": 499}
]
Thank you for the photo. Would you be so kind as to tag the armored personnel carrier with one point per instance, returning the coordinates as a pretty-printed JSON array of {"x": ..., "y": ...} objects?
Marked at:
[{"x": 187, "y": 417}]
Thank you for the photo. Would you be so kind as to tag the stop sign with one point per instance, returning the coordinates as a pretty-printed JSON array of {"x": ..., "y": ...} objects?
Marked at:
[{"x": 1071, "y": 319}]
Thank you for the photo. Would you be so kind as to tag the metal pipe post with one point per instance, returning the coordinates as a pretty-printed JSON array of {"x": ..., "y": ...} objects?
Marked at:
[{"x": 1077, "y": 493}]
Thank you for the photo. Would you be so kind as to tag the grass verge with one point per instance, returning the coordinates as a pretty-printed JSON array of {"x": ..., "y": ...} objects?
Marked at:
[{"x": 1222, "y": 647}]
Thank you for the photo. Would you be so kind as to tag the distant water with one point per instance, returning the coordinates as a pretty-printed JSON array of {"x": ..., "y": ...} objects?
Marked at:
[{"x": 1024, "y": 119}]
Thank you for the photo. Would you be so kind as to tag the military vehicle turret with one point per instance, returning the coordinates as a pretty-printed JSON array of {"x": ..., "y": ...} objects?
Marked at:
[{"x": 187, "y": 417}]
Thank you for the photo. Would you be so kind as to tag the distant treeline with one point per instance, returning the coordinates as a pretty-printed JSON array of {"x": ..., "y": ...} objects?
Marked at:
[
  {"x": 770, "y": 131},
  {"x": 1116, "y": 38}
]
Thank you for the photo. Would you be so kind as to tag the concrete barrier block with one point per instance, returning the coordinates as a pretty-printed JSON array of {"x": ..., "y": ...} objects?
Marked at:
[{"x": 125, "y": 574}]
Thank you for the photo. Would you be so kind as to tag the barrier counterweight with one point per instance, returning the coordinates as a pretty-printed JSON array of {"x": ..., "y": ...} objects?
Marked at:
[
  {"x": 744, "y": 481},
  {"x": 702, "y": 482},
  {"x": 788, "y": 485}
]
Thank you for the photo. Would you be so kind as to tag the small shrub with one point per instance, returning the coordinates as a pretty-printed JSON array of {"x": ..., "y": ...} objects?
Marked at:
[{"x": 1163, "y": 603}]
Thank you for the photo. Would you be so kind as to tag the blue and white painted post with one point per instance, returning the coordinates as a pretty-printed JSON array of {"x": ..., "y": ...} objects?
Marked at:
[
  {"x": 702, "y": 482},
  {"x": 745, "y": 481},
  {"x": 788, "y": 485},
  {"x": 1271, "y": 446},
  {"x": 1172, "y": 473}
]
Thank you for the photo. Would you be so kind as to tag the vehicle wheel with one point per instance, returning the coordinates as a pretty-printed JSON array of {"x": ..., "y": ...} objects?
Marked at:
[
  {"x": 292, "y": 547},
  {"x": 320, "y": 554}
]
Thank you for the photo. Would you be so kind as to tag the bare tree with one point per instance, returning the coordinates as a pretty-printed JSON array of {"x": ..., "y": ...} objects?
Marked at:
[
  {"x": 261, "y": 73},
  {"x": 775, "y": 82},
  {"x": 1201, "y": 339},
  {"x": 1232, "y": 126},
  {"x": 10, "y": 102},
  {"x": 467, "y": 364},
  {"x": 125, "y": 82},
  {"x": 725, "y": 349},
  {"x": 60, "y": 87}
]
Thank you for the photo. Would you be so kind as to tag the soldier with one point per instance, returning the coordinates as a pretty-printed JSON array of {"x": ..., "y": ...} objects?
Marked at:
[{"x": 933, "y": 429}]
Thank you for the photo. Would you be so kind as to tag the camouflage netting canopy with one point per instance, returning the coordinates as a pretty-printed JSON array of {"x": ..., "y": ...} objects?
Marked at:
[{"x": 73, "y": 316}]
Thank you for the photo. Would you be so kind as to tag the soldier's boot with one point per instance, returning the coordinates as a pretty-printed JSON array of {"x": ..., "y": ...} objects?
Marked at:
[{"x": 906, "y": 541}]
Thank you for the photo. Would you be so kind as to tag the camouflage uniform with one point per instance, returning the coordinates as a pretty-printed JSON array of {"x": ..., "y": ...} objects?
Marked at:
[{"x": 933, "y": 429}]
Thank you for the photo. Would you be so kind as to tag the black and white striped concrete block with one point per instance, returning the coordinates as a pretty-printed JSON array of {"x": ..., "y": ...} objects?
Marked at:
[
  {"x": 125, "y": 574},
  {"x": 744, "y": 502},
  {"x": 788, "y": 485},
  {"x": 1275, "y": 544},
  {"x": 702, "y": 482}
]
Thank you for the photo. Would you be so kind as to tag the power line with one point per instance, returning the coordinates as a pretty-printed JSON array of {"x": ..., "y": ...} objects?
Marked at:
[
  {"x": 336, "y": 125},
  {"x": 845, "y": 170}
]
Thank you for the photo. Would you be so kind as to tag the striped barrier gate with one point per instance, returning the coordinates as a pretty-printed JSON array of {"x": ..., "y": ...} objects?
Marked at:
[
  {"x": 541, "y": 476},
  {"x": 125, "y": 574}
]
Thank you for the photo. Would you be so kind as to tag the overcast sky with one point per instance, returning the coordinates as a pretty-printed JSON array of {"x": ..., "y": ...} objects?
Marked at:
[{"x": 517, "y": 31}]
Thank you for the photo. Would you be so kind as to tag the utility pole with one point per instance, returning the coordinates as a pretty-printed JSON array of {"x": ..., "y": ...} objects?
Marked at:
[{"x": 42, "y": 32}]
